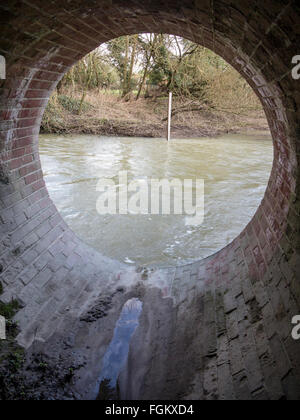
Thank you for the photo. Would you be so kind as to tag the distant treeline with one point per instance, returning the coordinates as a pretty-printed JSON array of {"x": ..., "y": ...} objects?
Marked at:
[{"x": 151, "y": 65}]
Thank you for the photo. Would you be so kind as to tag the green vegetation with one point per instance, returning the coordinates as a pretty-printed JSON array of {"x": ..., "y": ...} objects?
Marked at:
[
  {"x": 30, "y": 376},
  {"x": 8, "y": 310},
  {"x": 11, "y": 354},
  {"x": 122, "y": 88},
  {"x": 73, "y": 104}
]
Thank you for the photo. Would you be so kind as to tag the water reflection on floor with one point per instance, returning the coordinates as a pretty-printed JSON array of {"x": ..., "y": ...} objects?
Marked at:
[{"x": 117, "y": 352}]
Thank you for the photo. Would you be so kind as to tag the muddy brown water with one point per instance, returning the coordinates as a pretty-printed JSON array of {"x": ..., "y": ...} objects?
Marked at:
[
  {"x": 235, "y": 168},
  {"x": 134, "y": 332}
]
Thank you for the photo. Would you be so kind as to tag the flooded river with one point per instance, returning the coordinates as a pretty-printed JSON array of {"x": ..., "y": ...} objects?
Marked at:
[{"x": 235, "y": 169}]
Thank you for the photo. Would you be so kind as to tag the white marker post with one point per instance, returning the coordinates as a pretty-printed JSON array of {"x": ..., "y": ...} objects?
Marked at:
[{"x": 170, "y": 116}]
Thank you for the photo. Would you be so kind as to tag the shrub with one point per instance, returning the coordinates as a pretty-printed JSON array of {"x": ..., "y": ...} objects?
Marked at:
[{"x": 73, "y": 104}]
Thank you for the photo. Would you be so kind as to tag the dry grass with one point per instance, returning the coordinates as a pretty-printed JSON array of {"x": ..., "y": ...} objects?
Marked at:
[{"x": 233, "y": 107}]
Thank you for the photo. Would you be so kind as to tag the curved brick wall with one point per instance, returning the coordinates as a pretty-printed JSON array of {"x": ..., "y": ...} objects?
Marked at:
[{"x": 252, "y": 286}]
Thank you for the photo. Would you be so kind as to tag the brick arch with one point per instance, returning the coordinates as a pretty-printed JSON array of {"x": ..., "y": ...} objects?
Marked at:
[{"x": 258, "y": 272}]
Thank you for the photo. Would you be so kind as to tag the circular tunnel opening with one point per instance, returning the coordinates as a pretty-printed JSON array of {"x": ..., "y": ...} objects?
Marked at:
[
  {"x": 235, "y": 342},
  {"x": 225, "y": 149}
]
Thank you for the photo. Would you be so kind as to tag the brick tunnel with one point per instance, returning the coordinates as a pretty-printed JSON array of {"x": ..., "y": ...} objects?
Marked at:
[{"x": 240, "y": 346}]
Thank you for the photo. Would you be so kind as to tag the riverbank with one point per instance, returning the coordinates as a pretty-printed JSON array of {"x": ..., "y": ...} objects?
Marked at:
[{"x": 104, "y": 114}]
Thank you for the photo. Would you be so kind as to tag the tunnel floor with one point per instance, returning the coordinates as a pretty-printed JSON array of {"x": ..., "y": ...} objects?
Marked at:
[{"x": 197, "y": 338}]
